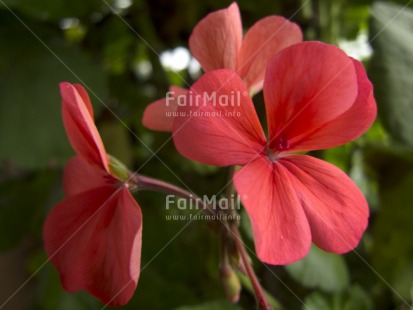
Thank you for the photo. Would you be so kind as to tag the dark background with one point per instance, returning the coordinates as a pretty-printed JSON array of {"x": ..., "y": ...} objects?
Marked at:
[{"x": 113, "y": 49}]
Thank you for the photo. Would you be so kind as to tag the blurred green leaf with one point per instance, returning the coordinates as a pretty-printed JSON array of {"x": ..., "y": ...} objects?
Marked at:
[
  {"x": 340, "y": 156},
  {"x": 354, "y": 18},
  {"x": 392, "y": 231},
  {"x": 358, "y": 299},
  {"x": 355, "y": 298},
  {"x": 212, "y": 305},
  {"x": 403, "y": 282},
  {"x": 320, "y": 269},
  {"x": 392, "y": 247},
  {"x": 364, "y": 178},
  {"x": 118, "y": 42},
  {"x": 31, "y": 128},
  {"x": 391, "y": 34},
  {"x": 21, "y": 206},
  {"x": 316, "y": 301}
]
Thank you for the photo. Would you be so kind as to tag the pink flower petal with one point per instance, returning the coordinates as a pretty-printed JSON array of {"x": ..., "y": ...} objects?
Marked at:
[
  {"x": 94, "y": 240},
  {"x": 159, "y": 114},
  {"x": 85, "y": 97},
  {"x": 281, "y": 230},
  {"x": 306, "y": 86},
  {"x": 80, "y": 127},
  {"x": 336, "y": 209},
  {"x": 262, "y": 41},
  {"x": 80, "y": 176},
  {"x": 216, "y": 39},
  {"x": 222, "y": 130},
  {"x": 351, "y": 124}
]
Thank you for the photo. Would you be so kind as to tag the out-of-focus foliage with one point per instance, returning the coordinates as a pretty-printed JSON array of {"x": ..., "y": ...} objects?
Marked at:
[
  {"x": 31, "y": 130},
  {"x": 113, "y": 49},
  {"x": 322, "y": 270},
  {"x": 353, "y": 299},
  {"x": 391, "y": 68}
]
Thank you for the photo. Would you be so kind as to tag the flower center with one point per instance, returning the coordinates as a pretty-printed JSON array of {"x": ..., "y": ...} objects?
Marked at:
[
  {"x": 277, "y": 147},
  {"x": 272, "y": 155}
]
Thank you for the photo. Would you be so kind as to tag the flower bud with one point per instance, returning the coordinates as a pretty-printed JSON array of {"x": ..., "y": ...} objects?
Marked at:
[
  {"x": 231, "y": 283},
  {"x": 117, "y": 168}
]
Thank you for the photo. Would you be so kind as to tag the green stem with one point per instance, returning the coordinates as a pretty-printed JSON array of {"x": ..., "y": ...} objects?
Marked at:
[{"x": 263, "y": 304}]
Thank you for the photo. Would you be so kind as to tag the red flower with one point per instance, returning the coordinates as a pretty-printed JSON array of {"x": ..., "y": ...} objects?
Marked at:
[
  {"x": 217, "y": 43},
  {"x": 93, "y": 236},
  {"x": 316, "y": 97}
]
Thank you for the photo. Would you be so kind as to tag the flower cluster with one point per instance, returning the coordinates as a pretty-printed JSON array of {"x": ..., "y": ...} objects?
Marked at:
[{"x": 316, "y": 97}]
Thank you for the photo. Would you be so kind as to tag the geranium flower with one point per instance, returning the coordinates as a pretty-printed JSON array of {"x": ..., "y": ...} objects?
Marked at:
[
  {"x": 316, "y": 97},
  {"x": 93, "y": 236},
  {"x": 217, "y": 43}
]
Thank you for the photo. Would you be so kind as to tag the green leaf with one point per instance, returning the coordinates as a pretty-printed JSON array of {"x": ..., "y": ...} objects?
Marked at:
[
  {"x": 31, "y": 128},
  {"x": 355, "y": 298},
  {"x": 391, "y": 34},
  {"x": 316, "y": 301},
  {"x": 320, "y": 269},
  {"x": 358, "y": 299}
]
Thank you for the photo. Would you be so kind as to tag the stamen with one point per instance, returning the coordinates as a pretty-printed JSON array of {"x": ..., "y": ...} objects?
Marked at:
[{"x": 283, "y": 144}]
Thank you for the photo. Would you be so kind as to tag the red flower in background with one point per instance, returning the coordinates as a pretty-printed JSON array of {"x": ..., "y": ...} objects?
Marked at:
[
  {"x": 217, "y": 43},
  {"x": 93, "y": 236},
  {"x": 316, "y": 97}
]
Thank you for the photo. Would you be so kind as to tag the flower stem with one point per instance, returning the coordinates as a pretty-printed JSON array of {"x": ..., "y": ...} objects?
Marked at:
[
  {"x": 263, "y": 304},
  {"x": 144, "y": 182}
]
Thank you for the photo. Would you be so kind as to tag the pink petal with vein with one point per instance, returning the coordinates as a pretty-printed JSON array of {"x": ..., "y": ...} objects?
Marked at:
[
  {"x": 280, "y": 227},
  {"x": 336, "y": 209},
  {"x": 216, "y": 39},
  {"x": 80, "y": 126},
  {"x": 94, "y": 240},
  {"x": 219, "y": 125},
  {"x": 262, "y": 41},
  {"x": 306, "y": 86}
]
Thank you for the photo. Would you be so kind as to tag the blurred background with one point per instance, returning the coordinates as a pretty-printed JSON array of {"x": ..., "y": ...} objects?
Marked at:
[{"x": 126, "y": 53}]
